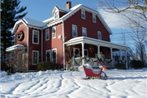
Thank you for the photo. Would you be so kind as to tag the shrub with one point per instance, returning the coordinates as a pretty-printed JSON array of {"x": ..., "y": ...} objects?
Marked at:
[
  {"x": 120, "y": 66},
  {"x": 136, "y": 64},
  {"x": 45, "y": 66}
]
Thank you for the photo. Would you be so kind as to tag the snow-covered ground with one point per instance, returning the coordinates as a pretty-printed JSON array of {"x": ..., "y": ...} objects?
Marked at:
[{"x": 67, "y": 84}]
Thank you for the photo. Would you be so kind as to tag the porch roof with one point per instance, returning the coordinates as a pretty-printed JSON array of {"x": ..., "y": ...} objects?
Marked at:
[
  {"x": 15, "y": 47},
  {"x": 92, "y": 41}
]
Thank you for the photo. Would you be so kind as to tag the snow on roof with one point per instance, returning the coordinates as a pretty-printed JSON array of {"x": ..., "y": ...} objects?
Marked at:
[
  {"x": 14, "y": 47},
  {"x": 33, "y": 22},
  {"x": 48, "y": 20},
  {"x": 75, "y": 7}
]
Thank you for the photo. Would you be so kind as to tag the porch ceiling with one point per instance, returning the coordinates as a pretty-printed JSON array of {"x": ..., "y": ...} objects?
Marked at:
[{"x": 92, "y": 41}]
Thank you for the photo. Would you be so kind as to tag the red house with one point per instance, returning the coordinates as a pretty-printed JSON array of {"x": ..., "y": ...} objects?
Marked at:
[{"x": 79, "y": 27}]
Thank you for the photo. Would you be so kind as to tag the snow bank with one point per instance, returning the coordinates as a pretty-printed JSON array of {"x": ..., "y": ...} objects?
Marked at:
[{"x": 67, "y": 84}]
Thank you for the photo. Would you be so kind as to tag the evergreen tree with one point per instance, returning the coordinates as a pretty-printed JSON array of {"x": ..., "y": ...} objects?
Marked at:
[{"x": 10, "y": 13}]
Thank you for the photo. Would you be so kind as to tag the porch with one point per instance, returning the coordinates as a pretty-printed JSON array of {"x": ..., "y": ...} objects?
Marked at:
[
  {"x": 108, "y": 52},
  {"x": 17, "y": 58}
]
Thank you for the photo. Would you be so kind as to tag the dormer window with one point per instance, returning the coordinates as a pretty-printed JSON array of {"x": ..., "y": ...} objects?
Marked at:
[
  {"x": 55, "y": 12},
  {"x": 56, "y": 15},
  {"x": 83, "y": 15},
  {"x": 94, "y": 18}
]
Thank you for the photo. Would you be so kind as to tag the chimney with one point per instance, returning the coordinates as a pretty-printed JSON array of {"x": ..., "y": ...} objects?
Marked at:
[{"x": 68, "y": 5}]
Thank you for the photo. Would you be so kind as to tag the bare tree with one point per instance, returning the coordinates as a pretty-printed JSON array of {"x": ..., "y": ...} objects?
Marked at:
[{"x": 136, "y": 13}]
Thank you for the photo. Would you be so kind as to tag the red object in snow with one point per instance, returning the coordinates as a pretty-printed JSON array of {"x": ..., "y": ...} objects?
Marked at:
[{"x": 92, "y": 73}]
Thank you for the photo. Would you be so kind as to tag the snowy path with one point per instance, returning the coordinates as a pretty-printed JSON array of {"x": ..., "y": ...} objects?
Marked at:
[{"x": 59, "y": 84}]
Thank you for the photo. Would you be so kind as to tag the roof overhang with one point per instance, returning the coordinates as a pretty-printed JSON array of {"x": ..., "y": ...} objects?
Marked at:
[
  {"x": 15, "y": 47},
  {"x": 92, "y": 41}
]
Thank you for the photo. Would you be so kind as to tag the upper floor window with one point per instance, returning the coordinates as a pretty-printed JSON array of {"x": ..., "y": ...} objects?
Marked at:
[
  {"x": 35, "y": 57},
  {"x": 35, "y": 39},
  {"x": 47, "y": 34},
  {"x": 54, "y": 32},
  {"x": 83, "y": 15},
  {"x": 94, "y": 18},
  {"x": 99, "y": 35},
  {"x": 74, "y": 31},
  {"x": 84, "y": 31}
]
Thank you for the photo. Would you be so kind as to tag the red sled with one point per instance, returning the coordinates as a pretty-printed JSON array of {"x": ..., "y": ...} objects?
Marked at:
[{"x": 95, "y": 73}]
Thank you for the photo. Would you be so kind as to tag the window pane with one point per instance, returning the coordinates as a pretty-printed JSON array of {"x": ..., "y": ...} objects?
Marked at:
[
  {"x": 47, "y": 34},
  {"x": 83, "y": 16},
  {"x": 84, "y": 31},
  {"x": 35, "y": 36},
  {"x": 54, "y": 32},
  {"x": 74, "y": 31}
]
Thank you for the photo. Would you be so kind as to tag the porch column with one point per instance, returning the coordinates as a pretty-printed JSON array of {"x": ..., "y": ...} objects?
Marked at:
[
  {"x": 111, "y": 53},
  {"x": 98, "y": 51},
  {"x": 82, "y": 52},
  {"x": 120, "y": 52},
  {"x": 126, "y": 55}
]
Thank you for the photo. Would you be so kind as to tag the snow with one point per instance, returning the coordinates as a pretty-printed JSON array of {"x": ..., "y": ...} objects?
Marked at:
[
  {"x": 34, "y": 22},
  {"x": 71, "y": 84}
]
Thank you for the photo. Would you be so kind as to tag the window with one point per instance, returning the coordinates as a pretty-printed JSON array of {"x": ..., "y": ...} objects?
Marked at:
[
  {"x": 47, "y": 34},
  {"x": 35, "y": 39},
  {"x": 83, "y": 15},
  {"x": 99, "y": 35},
  {"x": 56, "y": 14},
  {"x": 54, "y": 55},
  {"x": 35, "y": 57},
  {"x": 86, "y": 52},
  {"x": 76, "y": 52},
  {"x": 94, "y": 18},
  {"x": 48, "y": 55},
  {"x": 84, "y": 31},
  {"x": 54, "y": 32},
  {"x": 74, "y": 31}
]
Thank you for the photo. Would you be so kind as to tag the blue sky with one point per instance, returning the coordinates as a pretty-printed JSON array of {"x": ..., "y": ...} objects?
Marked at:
[{"x": 41, "y": 10}]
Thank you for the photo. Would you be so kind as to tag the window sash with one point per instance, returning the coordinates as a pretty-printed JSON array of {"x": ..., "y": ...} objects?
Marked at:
[
  {"x": 47, "y": 34},
  {"x": 74, "y": 31},
  {"x": 48, "y": 55},
  {"x": 83, "y": 14},
  {"x": 35, "y": 37},
  {"x": 54, "y": 32},
  {"x": 94, "y": 18},
  {"x": 54, "y": 55},
  {"x": 35, "y": 57},
  {"x": 84, "y": 31},
  {"x": 99, "y": 35}
]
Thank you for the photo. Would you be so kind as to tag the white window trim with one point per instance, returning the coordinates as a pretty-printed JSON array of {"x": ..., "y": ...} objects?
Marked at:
[
  {"x": 46, "y": 54},
  {"x": 56, "y": 54},
  {"x": 33, "y": 36},
  {"x": 84, "y": 29},
  {"x": 73, "y": 25},
  {"x": 93, "y": 17},
  {"x": 83, "y": 14},
  {"x": 53, "y": 37},
  {"x": 99, "y": 33},
  {"x": 47, "y": 31},
  {"x": 37, "y": 57}
]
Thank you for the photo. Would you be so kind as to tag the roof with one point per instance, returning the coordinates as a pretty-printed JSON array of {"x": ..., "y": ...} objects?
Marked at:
[
  {"x": 15, "y": 47},
  {"x": 33, "y": 22},
  {"x": 74, "y": 10},
  {"x": 51, "y": 21},
  {"x": 92, "y": 41}
]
